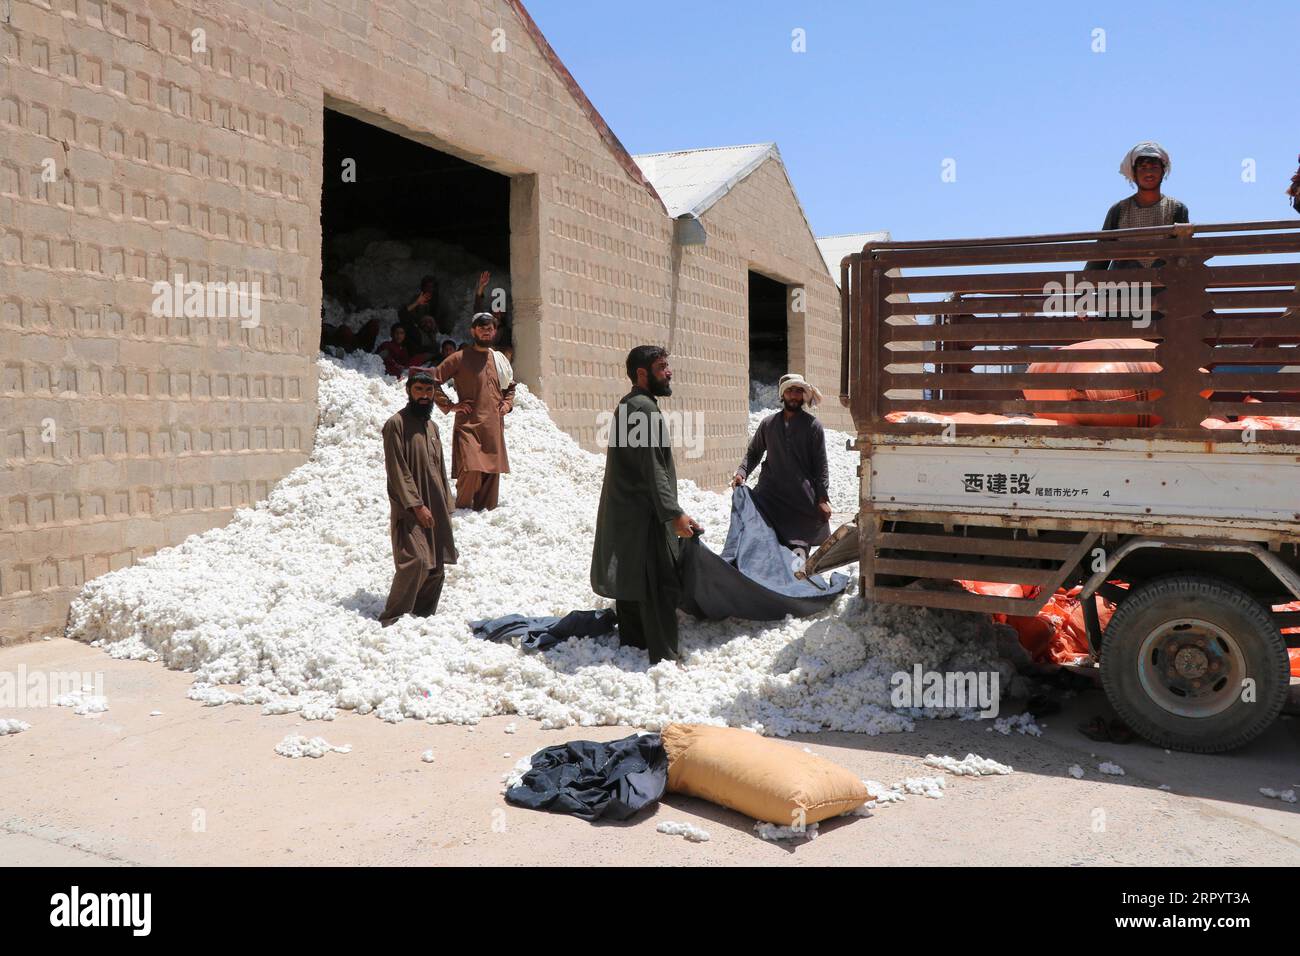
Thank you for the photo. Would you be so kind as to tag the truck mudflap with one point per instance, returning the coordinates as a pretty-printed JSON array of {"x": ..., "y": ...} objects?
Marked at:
[{"x": 839, "y": 549}]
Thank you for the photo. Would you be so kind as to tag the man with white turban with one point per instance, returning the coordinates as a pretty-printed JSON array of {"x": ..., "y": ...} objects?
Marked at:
[
  {"x": 1145, "y": 166},
  {"x": 793, "y": 492}
]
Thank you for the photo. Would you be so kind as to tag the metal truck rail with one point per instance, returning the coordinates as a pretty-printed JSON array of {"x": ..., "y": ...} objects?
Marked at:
[{"x": 1181, "y": 460}]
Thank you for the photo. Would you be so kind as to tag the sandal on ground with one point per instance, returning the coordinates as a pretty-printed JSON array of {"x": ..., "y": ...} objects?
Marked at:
[{"x": 1096, "y": 729}]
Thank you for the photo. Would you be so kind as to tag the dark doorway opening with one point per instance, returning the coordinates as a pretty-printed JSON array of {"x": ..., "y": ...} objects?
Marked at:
[
  {"x": 769, "y": 350},
  {"x": 395, "y": 212}
]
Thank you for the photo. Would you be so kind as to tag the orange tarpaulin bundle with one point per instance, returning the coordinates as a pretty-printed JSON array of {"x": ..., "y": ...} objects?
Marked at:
[
  {"x": 1292, "y": 652},
  {"x": 963, "y": 418},
  {"x": 1056, "y": 634},
  {"x": 1257, "y": 422}
]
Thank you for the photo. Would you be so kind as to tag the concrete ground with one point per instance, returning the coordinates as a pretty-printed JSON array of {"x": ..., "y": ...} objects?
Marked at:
[{"x": 203, "y": 785}]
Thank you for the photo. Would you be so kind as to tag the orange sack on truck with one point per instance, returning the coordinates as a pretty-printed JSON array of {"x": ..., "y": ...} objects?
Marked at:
[{"x": 1098, "y": 394}]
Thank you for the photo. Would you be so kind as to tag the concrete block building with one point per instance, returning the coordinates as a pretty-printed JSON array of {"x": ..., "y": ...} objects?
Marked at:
[{"x": 214, "y": 143}]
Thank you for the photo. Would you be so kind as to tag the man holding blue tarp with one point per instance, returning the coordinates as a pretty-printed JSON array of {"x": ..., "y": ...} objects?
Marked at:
[
  {"x": 793, "y": 491},
  {"x": 634, "y": 560}
]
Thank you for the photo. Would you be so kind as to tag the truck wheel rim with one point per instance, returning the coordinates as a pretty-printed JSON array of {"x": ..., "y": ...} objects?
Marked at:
[{"x": 1191, "y": 668}]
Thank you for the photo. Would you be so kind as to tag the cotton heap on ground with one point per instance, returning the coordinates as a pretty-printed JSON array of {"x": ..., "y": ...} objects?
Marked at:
[{"x": 284, "y": 600}]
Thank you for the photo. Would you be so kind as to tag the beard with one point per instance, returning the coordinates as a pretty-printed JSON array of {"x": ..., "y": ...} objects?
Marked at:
[
  {"x": 791, "y": 406},
  {"x": 660, "y": 387},
  {"x": 420, "y": 409}
]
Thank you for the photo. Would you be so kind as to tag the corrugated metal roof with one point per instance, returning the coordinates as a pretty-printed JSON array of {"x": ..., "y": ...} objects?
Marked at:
[
  {"x": 692, "y": 180},
  {"x": 835, "y": 248}
]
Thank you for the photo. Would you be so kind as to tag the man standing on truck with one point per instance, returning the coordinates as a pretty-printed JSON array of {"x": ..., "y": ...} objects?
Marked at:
[
  {"x": 1145, "y": 166},
  {"x": 793, "y": 492}
]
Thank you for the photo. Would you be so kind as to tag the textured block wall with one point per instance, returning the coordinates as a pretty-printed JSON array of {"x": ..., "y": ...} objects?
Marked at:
[
  {"x": 123, "y": 431},
  {"x": 757, "y": 225},
  {"x": 126, "y": 429}
]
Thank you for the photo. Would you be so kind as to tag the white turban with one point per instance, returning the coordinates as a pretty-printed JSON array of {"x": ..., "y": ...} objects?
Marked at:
[{"x": 1141, "y": 150}]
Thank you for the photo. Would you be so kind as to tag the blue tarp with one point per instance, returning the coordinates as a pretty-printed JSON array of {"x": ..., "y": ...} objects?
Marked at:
[
  {"x": 753, "y": 579},
  {"x": 539, "y": 633}
]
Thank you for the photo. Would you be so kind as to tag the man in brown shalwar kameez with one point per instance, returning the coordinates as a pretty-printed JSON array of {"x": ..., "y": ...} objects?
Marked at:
[
  {"x": 485, "y": 393},
  {"x": 417, "y": 496}
]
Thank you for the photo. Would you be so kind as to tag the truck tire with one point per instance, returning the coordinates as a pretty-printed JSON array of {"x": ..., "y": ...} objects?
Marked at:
[{"x": 1177, "y": 659}]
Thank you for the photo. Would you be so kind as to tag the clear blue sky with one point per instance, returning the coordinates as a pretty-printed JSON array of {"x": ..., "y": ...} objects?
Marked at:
[{"x": 1035, "y": 120}]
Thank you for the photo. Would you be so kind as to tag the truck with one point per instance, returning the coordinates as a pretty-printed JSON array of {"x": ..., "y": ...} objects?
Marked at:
[{"x": 1026, "y": 418}]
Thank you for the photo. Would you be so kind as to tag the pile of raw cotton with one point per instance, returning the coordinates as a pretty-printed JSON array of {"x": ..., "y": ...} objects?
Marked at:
[
  {"x": 763, "y": 396},
  {"x": 279, "y": 608}
]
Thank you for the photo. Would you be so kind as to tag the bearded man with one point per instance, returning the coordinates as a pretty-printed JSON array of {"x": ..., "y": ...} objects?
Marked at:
[
  {"x": 639, "y": 521},
  {"x": 793, "y": 492},
  {"x": 419, "y": 520}
]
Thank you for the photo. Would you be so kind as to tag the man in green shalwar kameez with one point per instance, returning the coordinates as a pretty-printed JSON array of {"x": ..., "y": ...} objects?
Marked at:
[{"x": 634, "y": 560}]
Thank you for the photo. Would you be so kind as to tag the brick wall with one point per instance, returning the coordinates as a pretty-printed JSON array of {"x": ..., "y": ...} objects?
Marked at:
[
  {"x": 757, "y": 225},
  {"x": 123, "y": 431}
]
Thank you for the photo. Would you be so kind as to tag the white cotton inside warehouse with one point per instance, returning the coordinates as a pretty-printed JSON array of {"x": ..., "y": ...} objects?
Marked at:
[
  {"x": 284, "y": 602},
  {"x": 335, "y": 313},
  {"x": 13, "y": 726},
  {"x": 763, "y": 397},
  {"x": 377, "y": 275}
]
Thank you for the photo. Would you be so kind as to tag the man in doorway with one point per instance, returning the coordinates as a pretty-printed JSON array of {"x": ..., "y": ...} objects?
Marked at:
[
  {"x": 425, "y": 305},
  {"x": 634, "y": 558},
  {"x": 505, "y": 336},
  {"x": 396, "y": 359},
  {"x": 1145, "y": 166},
  {"x": 419, "y": 521},
  {"x": 485, "y": 394},
  {"x": 793, "y": 492}
]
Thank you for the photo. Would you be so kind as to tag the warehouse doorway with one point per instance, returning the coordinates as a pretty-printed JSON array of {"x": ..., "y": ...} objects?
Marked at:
[
  {"x": 769, "y": 339},
  {"x": 410, "y": 235}
]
